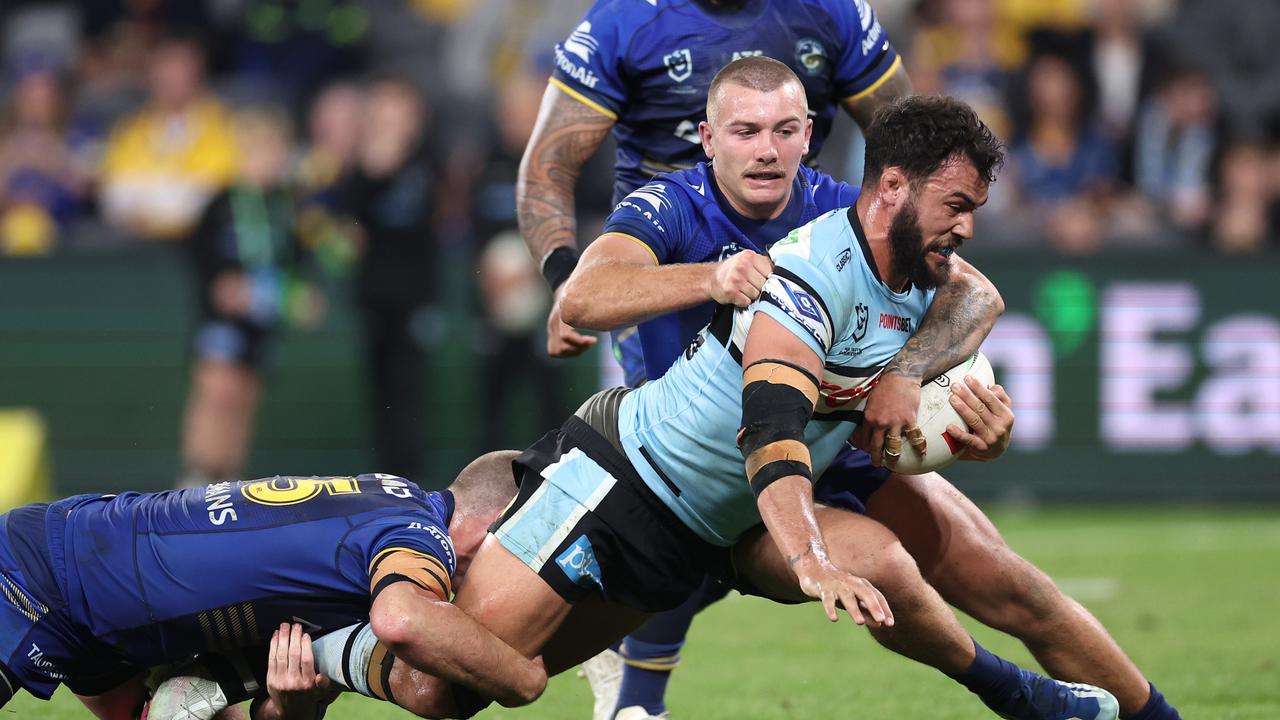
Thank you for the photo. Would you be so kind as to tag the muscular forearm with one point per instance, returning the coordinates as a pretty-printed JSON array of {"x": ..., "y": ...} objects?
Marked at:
[
  {"x": 441, "y": 640},
  {"x": 863, "y": 109},
  {"x": 786, "y": 507},
  {"x": 964, "y": 310},
  {"x": 610, "y": 294}
]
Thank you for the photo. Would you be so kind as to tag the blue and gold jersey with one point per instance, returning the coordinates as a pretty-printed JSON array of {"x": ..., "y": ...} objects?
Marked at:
[
  {"x": 680, "y": 431},
  {"x": 682, "y": 217},
  {"x": 648, "y": 65},
  {"x": 158, "y": 576}
]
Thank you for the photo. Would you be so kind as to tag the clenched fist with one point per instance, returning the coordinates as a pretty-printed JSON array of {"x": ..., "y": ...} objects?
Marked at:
[{"x": 739, "y": 279}]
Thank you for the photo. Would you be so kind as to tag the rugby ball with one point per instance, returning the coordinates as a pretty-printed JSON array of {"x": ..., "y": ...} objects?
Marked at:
[{"x": 936, "y": 413}]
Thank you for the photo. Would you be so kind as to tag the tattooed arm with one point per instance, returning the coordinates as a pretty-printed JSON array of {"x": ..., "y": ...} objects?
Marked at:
[
  {"x": 863, "y": 107},
  {"x": 567, "y": 134},
  {"x": 963, "y": 312}
]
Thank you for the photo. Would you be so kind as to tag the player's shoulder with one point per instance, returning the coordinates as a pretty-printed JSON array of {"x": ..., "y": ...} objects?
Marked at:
[
  {"x": 827, "y": 235},
  {"x": 623, "y": 13}
]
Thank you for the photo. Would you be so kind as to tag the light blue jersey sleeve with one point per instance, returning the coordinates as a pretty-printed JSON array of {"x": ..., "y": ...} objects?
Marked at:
[{"x": 805, "y": 293}]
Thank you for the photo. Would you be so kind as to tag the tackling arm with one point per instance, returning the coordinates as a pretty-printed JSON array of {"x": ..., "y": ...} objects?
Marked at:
[
  {"x": 619, "y": 282},
  {"x": 438, "y": 638}
]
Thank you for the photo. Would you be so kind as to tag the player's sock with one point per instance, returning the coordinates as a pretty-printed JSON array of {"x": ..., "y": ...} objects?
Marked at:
[
  {"x": 1157, "y": 708},
  {"x": 988, "y": 674},
  {"x": 8, "y": 685},
  {"x": 353, "y": 658},
  {"x": 1020, "y": 694},
  {"x": 646, "y": 669},
  {"x": 652, "y": 651}
]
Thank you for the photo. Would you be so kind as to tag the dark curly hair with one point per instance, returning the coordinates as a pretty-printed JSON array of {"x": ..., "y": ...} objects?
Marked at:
[{"x": 921, "y": 133}]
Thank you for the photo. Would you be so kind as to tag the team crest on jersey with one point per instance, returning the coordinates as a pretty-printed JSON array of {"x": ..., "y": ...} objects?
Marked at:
[
  {"x": 811, "y": 56},
  {"x": 679, "y": 64},
  {"x": 863, "y": 315}
]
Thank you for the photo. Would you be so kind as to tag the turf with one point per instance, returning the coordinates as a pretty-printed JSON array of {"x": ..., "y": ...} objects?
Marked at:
[{"x": 1192, "y": 594}]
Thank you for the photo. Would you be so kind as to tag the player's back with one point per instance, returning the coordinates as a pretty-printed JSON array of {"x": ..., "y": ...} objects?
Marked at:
[
  {"x": 649, "y": 63},
  {"x": 680, "y": 431},
  {"x": 166, "y": 574}
]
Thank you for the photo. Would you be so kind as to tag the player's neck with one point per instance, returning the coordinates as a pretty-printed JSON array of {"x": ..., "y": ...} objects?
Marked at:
[{"x": 875, "y": 219}]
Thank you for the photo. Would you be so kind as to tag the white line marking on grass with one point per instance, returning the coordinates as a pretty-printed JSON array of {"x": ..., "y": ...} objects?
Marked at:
[{"x": 1092, "y": 589}]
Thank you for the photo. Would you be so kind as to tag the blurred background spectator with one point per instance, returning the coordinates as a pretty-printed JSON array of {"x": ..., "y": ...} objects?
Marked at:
[
  {"x": 391, "y": 194},
  {"x": 248, "y": 263},
  {"x": 163, "y": 164}
]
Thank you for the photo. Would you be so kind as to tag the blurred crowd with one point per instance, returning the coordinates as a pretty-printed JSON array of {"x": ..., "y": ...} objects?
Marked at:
[{"x": 1144, "y": 123}]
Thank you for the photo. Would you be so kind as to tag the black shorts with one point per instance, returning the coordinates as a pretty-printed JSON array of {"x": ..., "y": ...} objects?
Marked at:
[
  {"x": 233, "y": 341},
  {"x": 585, "y": 522}
]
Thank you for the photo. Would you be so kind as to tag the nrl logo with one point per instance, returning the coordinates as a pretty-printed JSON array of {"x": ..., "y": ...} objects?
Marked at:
[
  {"x": 863, "y": 313},
  {"x": 679, "y": 64}
]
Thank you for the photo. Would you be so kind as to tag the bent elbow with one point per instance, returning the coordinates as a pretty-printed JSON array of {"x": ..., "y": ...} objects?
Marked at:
[{"x": 576, "y": 307}]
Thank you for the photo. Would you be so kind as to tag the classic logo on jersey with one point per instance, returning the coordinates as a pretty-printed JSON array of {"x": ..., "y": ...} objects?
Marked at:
[
  {"x": 811, "y": 56},
  {"x": 843, "y": 259},
  {"x": 728, "y": 251},
  {"x": 649, "y": 201},
  {"x": 581, "y": 43},
  {"x": 800, "y": 306},
  {"x": 679, "y": 64},
  {"x": 862, "y": 314},
  {"x": 579, "y": 563},
  {"x": 895, "y": 322}
]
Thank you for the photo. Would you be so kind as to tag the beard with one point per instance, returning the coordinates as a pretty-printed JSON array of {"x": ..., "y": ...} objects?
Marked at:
[{"x": 910, "y": 255}]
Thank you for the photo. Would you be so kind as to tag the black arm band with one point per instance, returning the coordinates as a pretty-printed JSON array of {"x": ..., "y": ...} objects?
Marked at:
[
  {"x": 774, "y": 415},
  {"x": 558, "y": 265},
  {"x": 775, "y": 471}
]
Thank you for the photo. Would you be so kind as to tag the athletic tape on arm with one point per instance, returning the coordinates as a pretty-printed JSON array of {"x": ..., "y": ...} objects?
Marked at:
[{"x": 777, "y": 401}]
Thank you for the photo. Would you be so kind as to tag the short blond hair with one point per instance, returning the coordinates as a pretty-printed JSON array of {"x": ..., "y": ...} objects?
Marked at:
[{"x": 759, "y": 73}]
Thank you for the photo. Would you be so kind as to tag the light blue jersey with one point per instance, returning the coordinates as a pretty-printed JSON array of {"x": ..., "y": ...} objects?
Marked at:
[{"x": 680, "y": 431}]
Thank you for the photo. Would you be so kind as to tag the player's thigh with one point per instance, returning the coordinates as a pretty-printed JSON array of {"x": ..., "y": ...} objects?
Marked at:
[
  {"x": 855, "y": 543},
  {"x": 506, "y": 596},
  {"x": 958, "y": 549},
  {"x": 593, "y": 625}
]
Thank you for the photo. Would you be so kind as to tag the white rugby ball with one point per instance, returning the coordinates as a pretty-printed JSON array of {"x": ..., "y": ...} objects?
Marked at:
[{"x": 936, "y": 413}]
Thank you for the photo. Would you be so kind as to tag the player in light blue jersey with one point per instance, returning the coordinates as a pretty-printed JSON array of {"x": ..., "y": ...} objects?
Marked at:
[
  {"x": 606, "y": 529},
  {"x": 99, "y": 587},
  {"x": 641, "y": 69},
  {"x": 683, "y": 243}
]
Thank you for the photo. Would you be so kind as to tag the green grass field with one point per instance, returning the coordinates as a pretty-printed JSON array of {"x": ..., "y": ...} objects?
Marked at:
[{"x": 1191, "y": 594}]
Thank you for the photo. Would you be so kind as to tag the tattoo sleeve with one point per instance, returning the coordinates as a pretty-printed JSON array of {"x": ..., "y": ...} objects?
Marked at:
[
  {"x": 963, "y": 312},
  {"x": 864, "y": 108},
  {"x": 567, "y": 134}
]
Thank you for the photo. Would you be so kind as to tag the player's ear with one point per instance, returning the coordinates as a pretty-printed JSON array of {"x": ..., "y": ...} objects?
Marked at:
[
  {"x": 704, "y": 134},
  {"x": 893, "y": 186},
  {"x": 808, "y": 134}
]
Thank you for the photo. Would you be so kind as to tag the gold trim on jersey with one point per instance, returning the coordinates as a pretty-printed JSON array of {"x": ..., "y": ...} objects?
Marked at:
[
  {"x": 584, "y": 99},
  {"x": 897, "y": 63},
  {"x": 408, "y": 563},
  {"x": 638, "y": 241},
  {"x": 230, "y": 627}
]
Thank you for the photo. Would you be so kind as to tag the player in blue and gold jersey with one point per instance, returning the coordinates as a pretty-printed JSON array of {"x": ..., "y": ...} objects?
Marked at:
[{"x": 100, "y": 587}]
